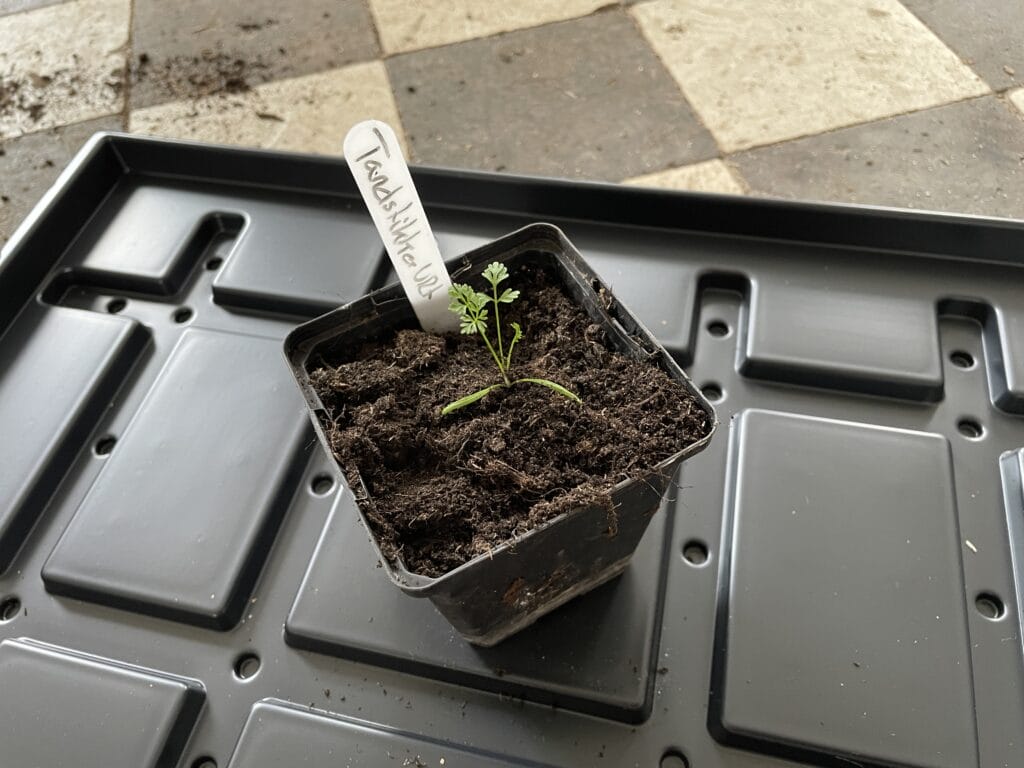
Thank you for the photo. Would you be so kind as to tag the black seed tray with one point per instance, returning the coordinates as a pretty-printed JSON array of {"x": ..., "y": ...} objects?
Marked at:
[{"x": 184, "y": 581}]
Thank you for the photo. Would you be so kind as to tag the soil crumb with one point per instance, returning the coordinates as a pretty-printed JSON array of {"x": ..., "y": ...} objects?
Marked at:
[{"x": 445, "y": 489}]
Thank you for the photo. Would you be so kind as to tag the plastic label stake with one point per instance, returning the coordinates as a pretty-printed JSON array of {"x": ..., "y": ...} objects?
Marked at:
[{"x": 375, "y": 159}]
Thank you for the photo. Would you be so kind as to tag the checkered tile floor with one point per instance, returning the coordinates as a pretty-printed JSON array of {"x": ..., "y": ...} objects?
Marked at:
[{"x": 915, "y": 103}]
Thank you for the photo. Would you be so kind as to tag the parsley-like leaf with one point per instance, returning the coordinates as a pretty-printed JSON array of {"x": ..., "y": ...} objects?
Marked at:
[{"x": 495, "y": 272}]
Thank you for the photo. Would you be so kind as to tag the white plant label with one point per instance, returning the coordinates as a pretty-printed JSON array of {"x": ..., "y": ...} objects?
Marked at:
[{"x": 375, "y": 159}]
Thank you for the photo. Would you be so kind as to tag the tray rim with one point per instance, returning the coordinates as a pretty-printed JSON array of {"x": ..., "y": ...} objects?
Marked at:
[{"x": 427, "y": 176}]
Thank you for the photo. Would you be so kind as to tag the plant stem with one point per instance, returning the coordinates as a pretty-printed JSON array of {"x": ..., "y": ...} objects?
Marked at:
[
  {"x": 508, "y": 358},
  {"x": 497, "y": 331},
  {"x": 496, "y": 358}
]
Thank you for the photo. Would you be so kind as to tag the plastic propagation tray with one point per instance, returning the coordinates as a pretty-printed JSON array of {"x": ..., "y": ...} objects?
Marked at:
[{"x": 184, "y": 581}]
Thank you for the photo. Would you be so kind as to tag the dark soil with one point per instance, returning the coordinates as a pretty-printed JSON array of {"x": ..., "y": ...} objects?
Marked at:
[{"x": 445, "y": 489}]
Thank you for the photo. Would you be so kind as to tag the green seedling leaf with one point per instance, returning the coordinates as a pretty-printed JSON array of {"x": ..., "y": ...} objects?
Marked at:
[
  {"x": 470, "y": 306},
  {"x": 462, "y": 402},
  {"x": 458, "y": 304},
  {"x": 495, "y": 272},
  {"x": 466, "y": 300},
  {"x": 508, "y": 296},
  {"x": 552, "y": 385},
  {"x": 471, "y": 325}
]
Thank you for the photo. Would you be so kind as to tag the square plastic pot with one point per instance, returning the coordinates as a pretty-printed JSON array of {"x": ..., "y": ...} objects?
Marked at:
[{"x": 496, "y": 595}]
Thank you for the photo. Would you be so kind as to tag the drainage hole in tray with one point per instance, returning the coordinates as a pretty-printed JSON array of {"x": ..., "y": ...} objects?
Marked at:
[
  {"x": 321, "y": 485},
  {"x": 105, "y": 445},
  {"x": 970, "y": 428},
  {"x": 9, "y": 608},
  {"x": 990, "y": 606},
  {"x": 214, "y": 263},
  {"x": 674, "y": 759},
  {"x": 246, "y": 666},
  {"x": 204, "y": 762},
  {"x": 718, "y": 328},
  {"x": 712, "y": 392},
  {"x": 962, "y": 359},
  {"x": 182, "y": 315},
  {"x": 116, "y": 305},
  {"x": 695, "y": 552}
]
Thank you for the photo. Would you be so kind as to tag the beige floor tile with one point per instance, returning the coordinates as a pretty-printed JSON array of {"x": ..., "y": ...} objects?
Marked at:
[
  {"x": 309, "y": 114},
  {"x": 61, "y": 64},
  {"x": 406, "y": 26},
  {"x": 762, "y": 71},
  {"x": 1017, "y": 99},
  {"x": 709, "y": 176}
]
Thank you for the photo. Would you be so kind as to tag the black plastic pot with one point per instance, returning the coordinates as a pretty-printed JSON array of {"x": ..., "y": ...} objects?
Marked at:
[{"x": 496, "y": 595}]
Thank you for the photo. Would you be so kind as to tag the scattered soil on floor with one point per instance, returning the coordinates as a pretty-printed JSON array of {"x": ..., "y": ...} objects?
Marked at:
[
  {"x": 28, "y": 94},
  {"x": 256, "y": 26},
  {"x": 194, "y": 77},
  {"x": 445, "y": 489}
]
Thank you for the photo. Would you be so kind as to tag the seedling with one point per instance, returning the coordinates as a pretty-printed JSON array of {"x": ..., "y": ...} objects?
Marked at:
[{"x": 472, "y": 308}]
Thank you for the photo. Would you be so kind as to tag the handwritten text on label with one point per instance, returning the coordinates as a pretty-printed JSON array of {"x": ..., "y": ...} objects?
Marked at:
[{"x": 403, "y": 225}]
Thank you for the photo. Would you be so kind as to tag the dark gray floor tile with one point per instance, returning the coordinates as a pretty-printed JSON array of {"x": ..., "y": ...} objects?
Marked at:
[
  {"x": 30, "y": 164},
  {"x": 988, "y": 34},
  {"x": 196, "y": 47},
  {"x": 583, "y": 98},
  {"x": 966, "y": 157}
]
